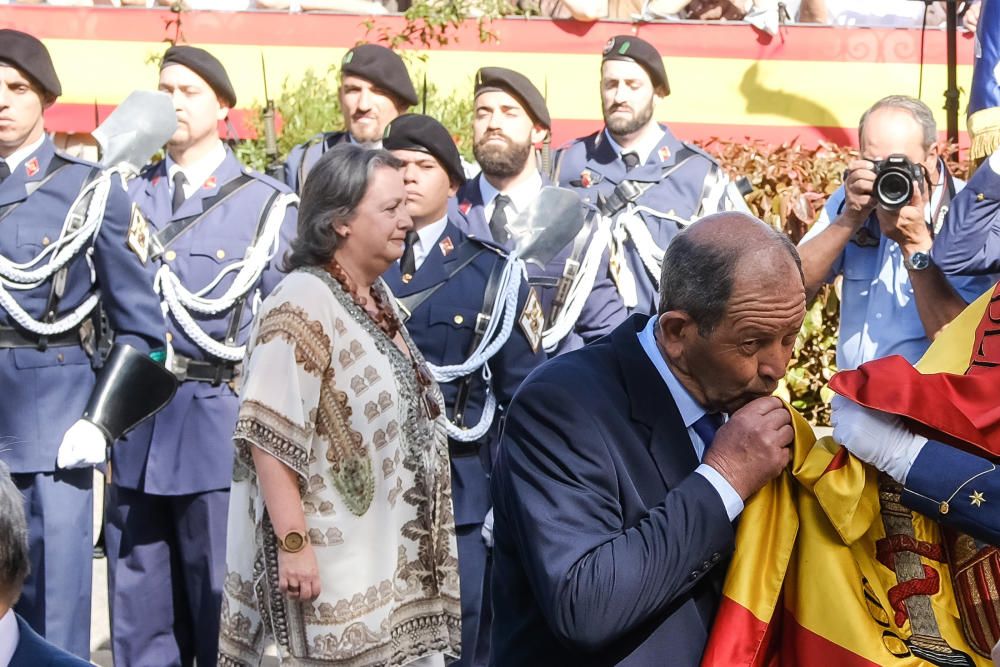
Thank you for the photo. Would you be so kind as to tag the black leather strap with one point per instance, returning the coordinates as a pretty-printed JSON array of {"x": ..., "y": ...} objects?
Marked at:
[
  {"x": 11, "y": 337},
  {"x": 482, "y": 323},
  {"x": 167, "y": 235},
  {"x": 467, "y": 252},
  {"x": 215, "y": 372},
  {"x": 630, "y": 190},
  {"x": 236, "y": 316},
  {"x": 58, "y": 287}
]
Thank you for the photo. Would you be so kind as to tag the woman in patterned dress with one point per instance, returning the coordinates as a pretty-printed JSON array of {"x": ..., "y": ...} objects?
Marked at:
[{"x": 341, "y": 538}]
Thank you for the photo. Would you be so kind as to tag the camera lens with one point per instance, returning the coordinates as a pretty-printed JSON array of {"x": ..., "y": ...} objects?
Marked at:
[{"x": 893, "y": 188}]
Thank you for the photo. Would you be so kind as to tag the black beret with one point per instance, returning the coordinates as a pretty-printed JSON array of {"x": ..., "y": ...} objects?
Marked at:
[
  {"x": 205, "y": 65},
  {"x": 417, "y": 132},
  {"x": 383, "y": 68},
  {"x": 641, "y": 52},
  {"x": 30, "y": 56},
  {"x": 518, "y": 85}
]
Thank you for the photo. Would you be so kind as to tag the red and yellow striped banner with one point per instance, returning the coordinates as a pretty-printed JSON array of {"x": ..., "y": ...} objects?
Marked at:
[{"x": 728, "y": 80}]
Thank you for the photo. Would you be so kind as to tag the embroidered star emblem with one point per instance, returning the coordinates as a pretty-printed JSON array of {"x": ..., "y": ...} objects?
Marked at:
[{"x": 977, "y": 499}]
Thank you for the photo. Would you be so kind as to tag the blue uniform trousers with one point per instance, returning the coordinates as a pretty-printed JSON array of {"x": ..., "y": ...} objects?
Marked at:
[
  {"x": 55, "y": 600},
  {"x": 169, "y": 554}
]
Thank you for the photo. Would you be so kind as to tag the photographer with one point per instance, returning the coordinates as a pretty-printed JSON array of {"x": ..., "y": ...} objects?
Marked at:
[{"x": 877, "y": 231}]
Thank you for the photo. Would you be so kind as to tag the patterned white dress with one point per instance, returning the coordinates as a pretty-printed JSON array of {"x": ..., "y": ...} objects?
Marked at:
[{"x": 332, "y": 397}]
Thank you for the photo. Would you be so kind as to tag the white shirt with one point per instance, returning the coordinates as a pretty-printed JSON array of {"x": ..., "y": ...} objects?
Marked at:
[
  {"x": 644, "y": 147},
  {"x": 9, "y": 637},
  {"x": 690, "y": 413},
  {"x": 22, "y": 153},
  {"x": 426, "y": 238},
  {"x": 196, "y": 174},
  {"x": 521, "y": 196}
]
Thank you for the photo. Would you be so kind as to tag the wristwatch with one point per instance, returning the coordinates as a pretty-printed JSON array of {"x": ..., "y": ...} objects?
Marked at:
[
  {"x": 918, "y": 261},
  {"x": 293, "y": 542}
]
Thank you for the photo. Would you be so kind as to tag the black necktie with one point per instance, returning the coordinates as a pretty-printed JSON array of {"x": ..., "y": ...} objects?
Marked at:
[
  {"x": 706, "y": 426},
  {"x": 179, "y": 197},
  {"x": 408, "y": 262},
  {"x": 631, "y": 161},
  {"x": 4, "y": 171},
  {"x": 498, "y": 221}
]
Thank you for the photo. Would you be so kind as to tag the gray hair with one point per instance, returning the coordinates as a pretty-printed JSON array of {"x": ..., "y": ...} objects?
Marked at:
[
  {"x": 697, "y": 276},
  {"x": 920, "y": 112},
  {"x": 335, "y": 186},
  {"x": 14, "y": 562}
]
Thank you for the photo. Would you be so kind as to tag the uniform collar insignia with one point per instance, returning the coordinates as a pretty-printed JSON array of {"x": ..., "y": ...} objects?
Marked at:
[
  {"x": 465, "y": 206},
  {"x": 446, "y": 246},
  {"x": 31, "y": 167},
  {"x": 210, "y": 183},
  {"x": 586, "y": 178},
  {"x": 664, "y": 153}
]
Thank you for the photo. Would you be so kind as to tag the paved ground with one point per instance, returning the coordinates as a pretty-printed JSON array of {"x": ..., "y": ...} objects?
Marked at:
[{"x": 100, "y": 633}]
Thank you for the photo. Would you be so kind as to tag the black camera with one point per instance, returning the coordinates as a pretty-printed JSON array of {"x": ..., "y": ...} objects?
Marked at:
[{"x": 894, "y": 176}]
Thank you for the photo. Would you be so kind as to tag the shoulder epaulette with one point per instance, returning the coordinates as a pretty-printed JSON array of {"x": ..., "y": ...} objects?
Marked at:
[
  {"x": 700, "y": 151},
  {"x": 267, "y": 180}
]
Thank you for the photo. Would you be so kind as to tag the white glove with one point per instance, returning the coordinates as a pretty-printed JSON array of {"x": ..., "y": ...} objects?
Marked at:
[
  {"x": 876, "y": 437},
  {"x": 487, "y": 531},
  {"x": 83, "y": 445}
]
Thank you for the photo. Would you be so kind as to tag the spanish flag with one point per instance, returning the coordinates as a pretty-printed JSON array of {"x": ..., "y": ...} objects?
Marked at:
[{"x": 830, "y": 569}]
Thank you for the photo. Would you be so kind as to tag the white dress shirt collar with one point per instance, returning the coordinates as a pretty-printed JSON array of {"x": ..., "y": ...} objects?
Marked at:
[
  {"x": 10, "y": 635},
  {"x": 521, "y": 195},
  {"x": 688, "y": 407},
  {"x": 22, "y": 153},
  {"x": 644, "y": 147},
  {"x": 426, "y": 238},
  {"x": 196, "y": 174}
]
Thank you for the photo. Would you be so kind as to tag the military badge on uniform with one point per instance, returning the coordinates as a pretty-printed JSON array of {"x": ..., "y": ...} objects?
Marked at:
[
  {"x": 585, "y": 178},
  {"x": 465, "y": 206},
  {"x": 31, "y": 167},
  {"x": 446, "y": 246},
  {"x": 138, "y": 234},
  {"x": 210, "y": 183},
  {"x": 664, "y": 153},
  {"x": 532, "y": 320}
]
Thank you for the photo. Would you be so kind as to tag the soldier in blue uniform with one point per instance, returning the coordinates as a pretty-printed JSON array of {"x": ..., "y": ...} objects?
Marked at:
[
  {"x": 67, "y": 240},
  {"x": 455, "y": 292},
  {"x": 219, "y": 231},
  {"x": 644, "y": 180},
  {"x": 509, "y": 118},
  {"x": 374, "y": 88}
]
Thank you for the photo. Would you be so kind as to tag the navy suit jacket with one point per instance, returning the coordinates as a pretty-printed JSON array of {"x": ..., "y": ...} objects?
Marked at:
[
  {"x": 33, "y": 651},
  {"x": 610, "y": 550}
]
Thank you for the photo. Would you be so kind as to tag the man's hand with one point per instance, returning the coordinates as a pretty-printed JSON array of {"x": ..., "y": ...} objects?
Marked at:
[
  {"x": 752, "y": 447},
  {"x": 907, "y": 226},
  {"x": 858, "y": 185},
  {"x": 83, "y": 445},
  {"x": 876, "y": 437}
]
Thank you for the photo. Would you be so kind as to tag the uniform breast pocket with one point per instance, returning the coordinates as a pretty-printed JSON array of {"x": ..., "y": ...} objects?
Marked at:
[
  {"x": 861, "y": 263},
  {"x": 208, "y": 257},
  {"x": 452, "y": 329},
  {"x": 33, "y": 237}
]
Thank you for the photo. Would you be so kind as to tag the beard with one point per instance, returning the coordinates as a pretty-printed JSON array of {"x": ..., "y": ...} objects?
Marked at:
[
  {"x": 621, "y": 126},
  {"x": 501, "y": 161}
]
